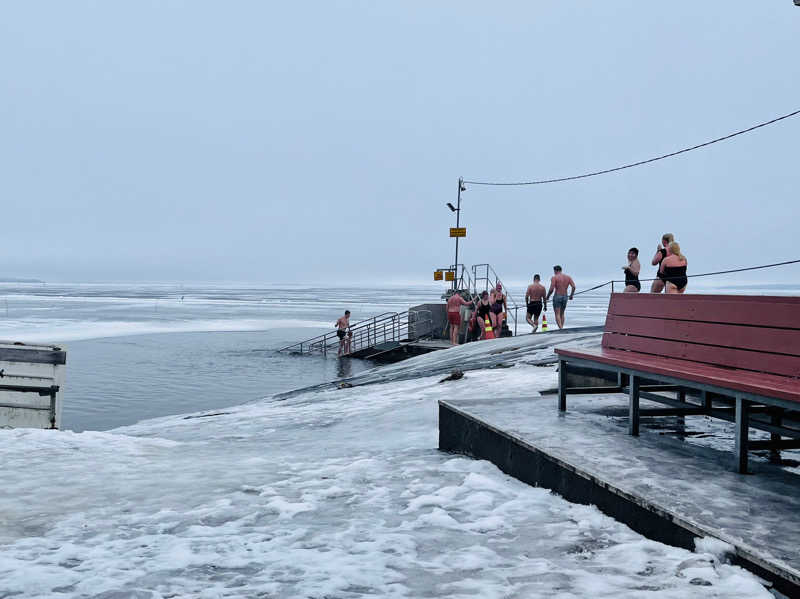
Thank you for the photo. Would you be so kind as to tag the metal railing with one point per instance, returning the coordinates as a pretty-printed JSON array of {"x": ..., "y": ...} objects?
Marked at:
[
  {"x": 389, "y": 326},
  {"x": 485, "y": 274}
]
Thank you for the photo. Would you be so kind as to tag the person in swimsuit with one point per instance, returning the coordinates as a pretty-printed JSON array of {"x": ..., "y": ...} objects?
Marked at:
[
  {"x": 498, "y": 301},
  {"x": 454, "y": 304},
  {"x": 484, "y": 311},
  {"x": 674, "y": 269},
  {"x": 348, "y": 342},
  {"x": 632, "y": 284},
  {"x": 341, "y": 329},
  {"x": 534, "y": 298},
  {"x": 662, "y": 251},
  {"x": 559, "y": 283}
]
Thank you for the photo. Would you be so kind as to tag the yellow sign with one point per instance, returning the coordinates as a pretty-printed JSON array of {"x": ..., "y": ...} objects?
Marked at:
[
  {"x": 437, "y": 275},
  {"x": 449, "y": 276},
  {"x": 458, "y": 231}
]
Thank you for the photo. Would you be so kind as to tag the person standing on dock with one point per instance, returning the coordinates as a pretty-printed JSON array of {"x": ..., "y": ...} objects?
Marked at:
[
  {"x": 454, "y": 304},
  {"x": 673, "y": 267},
  {"x": 632, "y": 284},
  {"x": 484, "y": 316},
  {"x": 534, "y": 298},
  {"x": 499, "y": 307},
  {"x": 662, "y": 251},
  {"x": 559, "y": 283},
  {"x": 342, "y": 325}
]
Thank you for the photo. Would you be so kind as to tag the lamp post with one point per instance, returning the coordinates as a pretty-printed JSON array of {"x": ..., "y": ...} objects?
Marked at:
[{"x": 457, "y": 210}]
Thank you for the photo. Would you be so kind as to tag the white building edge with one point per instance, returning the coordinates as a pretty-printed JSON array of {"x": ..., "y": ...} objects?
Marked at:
[{"x": 31, "y": 384}]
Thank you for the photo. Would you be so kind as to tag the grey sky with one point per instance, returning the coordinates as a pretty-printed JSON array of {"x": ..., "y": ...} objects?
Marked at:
[{"x": 293, "y": 141}]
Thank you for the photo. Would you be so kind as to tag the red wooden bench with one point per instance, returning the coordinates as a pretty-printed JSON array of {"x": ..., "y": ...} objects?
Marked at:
[{"x": 739, "y": 354}]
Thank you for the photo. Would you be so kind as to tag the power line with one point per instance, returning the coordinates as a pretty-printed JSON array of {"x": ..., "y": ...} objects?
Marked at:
[
  {"x": 704, "y": 274},
  {"x": 641, "y": 162}
]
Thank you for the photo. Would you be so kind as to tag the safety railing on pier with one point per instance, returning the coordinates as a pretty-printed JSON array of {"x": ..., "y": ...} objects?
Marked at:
[
  {"x": 484, "y": 275},
  {"x": 411, "y": 325}
]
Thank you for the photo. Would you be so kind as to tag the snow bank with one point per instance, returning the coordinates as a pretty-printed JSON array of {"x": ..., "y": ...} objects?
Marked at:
[{"x": 329, "y": 493}]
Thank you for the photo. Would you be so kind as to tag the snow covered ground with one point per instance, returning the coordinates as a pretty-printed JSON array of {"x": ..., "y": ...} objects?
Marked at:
[{"x": 328, "y": 493}]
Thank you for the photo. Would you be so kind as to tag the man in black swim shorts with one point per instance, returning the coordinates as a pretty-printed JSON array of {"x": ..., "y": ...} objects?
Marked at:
[
  {"x": 342, "y": 324},
  {"x": 534, "y": 297}
]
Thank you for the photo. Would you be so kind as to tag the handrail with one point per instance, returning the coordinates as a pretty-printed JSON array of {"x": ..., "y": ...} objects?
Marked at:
[
  {"x": 509, "y": 299},
  {"x": 357, "y": 326},
  {"x": 388, "y": 326}
]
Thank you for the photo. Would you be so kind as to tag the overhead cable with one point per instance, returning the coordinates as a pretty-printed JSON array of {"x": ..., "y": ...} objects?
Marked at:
[
  {"x": 640, "y": 162},
  {"x": 704, "y": 274}
]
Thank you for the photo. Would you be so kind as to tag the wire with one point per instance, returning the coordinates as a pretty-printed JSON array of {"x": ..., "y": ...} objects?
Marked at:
[
  {"x": 704, "y": 274},
  {"x": 639, "y": 163}
]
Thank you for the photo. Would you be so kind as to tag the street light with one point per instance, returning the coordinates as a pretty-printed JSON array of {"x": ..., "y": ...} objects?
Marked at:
[{"x": 457, "y": 210}]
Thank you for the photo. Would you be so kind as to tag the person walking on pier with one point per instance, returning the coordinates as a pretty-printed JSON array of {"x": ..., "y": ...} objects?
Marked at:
[
  {"x": 560, "y": 283},
  {"x": 499, "y": 307},
  {"x": 342, "y": 325},
  {"x": 632, "y": 284},
  {"x": 484, "y": 316},
  {"x": 454, "y": 304},
  {"x": 673, "y": 268},
  {"x": 662, "y": 251},
  {"x": 534, "y": 300}
]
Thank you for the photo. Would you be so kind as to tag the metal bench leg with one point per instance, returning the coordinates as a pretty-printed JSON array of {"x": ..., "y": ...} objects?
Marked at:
[
  {"x": 681, "y": 394},
  {"x": 776, "y": 419},
  {"x": 562, "y": 385},
  {"x": 742, "y": 424},
  {"x": 633, "y": 406},
  {"x": 706, "y": 397}
]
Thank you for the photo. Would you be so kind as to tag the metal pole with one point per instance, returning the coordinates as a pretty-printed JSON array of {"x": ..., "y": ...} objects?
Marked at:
[{"x": 458, "y": 222}]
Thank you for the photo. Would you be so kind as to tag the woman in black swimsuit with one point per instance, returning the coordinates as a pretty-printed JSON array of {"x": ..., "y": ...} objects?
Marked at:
[
  {"x": 632, "y": 284},
  {"x": 674, "y": 269},
  {"x": 484, "y": 311},
  {"x": 661, "y": 252}
]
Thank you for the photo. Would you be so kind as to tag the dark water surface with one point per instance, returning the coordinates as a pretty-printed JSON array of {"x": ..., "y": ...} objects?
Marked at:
[{"x": 121, "y": 380}]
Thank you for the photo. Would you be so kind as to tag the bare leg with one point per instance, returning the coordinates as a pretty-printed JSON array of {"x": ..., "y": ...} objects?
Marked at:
[
  {"x": 657, "y": 286},
  {"x": 631, "y": 289},
  {"x": 671, "y": 288}
]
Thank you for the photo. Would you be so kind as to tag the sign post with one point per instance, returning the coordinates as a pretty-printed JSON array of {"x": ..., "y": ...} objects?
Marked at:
[{"x": 458, "y": 223}]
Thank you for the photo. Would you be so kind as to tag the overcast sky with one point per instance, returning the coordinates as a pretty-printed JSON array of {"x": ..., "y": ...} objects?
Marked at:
[{"x": 297, "y": 141}]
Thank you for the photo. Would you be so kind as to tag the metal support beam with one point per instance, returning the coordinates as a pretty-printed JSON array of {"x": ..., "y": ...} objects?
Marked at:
[
  {"x": 776, "y": 419},
  {"x": 742, "y": 425},
  {"x": 562, "y": 386},
  {"x": 633, "y": 407}
]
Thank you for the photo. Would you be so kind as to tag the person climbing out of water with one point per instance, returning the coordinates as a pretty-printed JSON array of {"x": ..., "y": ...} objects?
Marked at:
[
  {"x": 674, "y": 269},
  {"x": 342, "y": 326},
  {"x": 662, "y": 251},
  {"x": 484, "y": 316},
  {"x": 348, "y": 342},
  {"x": 632, "y": 284},
  {"x": 535, "y": 300},
  {"x": 559, "y": 283},
  {"x": 499, "y": 307},
  {"x": 454, "y": 304}
]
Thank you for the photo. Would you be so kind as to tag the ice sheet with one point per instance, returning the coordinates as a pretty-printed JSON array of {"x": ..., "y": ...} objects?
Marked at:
[{"x": 329, "y": 493}]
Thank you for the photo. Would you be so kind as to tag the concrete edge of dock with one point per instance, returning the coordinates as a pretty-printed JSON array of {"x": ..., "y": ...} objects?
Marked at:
[{"x": 464, "y": 433}]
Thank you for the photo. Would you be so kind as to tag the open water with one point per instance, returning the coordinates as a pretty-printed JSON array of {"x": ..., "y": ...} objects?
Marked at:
[
  {"x": 144, "y": 350},
  {"x": 320, "y": 494}
]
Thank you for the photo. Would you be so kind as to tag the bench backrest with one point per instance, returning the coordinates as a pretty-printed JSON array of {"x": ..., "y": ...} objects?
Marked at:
[{"x": 756, "y": 333}]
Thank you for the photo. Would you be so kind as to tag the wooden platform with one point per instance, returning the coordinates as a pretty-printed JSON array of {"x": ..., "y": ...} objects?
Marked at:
[{"x": 660, "y": 486}]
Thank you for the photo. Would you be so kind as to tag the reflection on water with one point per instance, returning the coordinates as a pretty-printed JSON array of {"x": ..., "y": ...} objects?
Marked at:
[{"x": 344, "y": 367}]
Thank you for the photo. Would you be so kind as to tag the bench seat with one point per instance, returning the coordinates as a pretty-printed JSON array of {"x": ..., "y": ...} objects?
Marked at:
[
  {"x": 739, "y": 349},
  {"x": 755, "y": 383}
]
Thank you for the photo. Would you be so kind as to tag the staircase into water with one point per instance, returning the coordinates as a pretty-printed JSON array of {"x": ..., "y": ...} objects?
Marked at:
[{"x": 374, "y": 337}]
